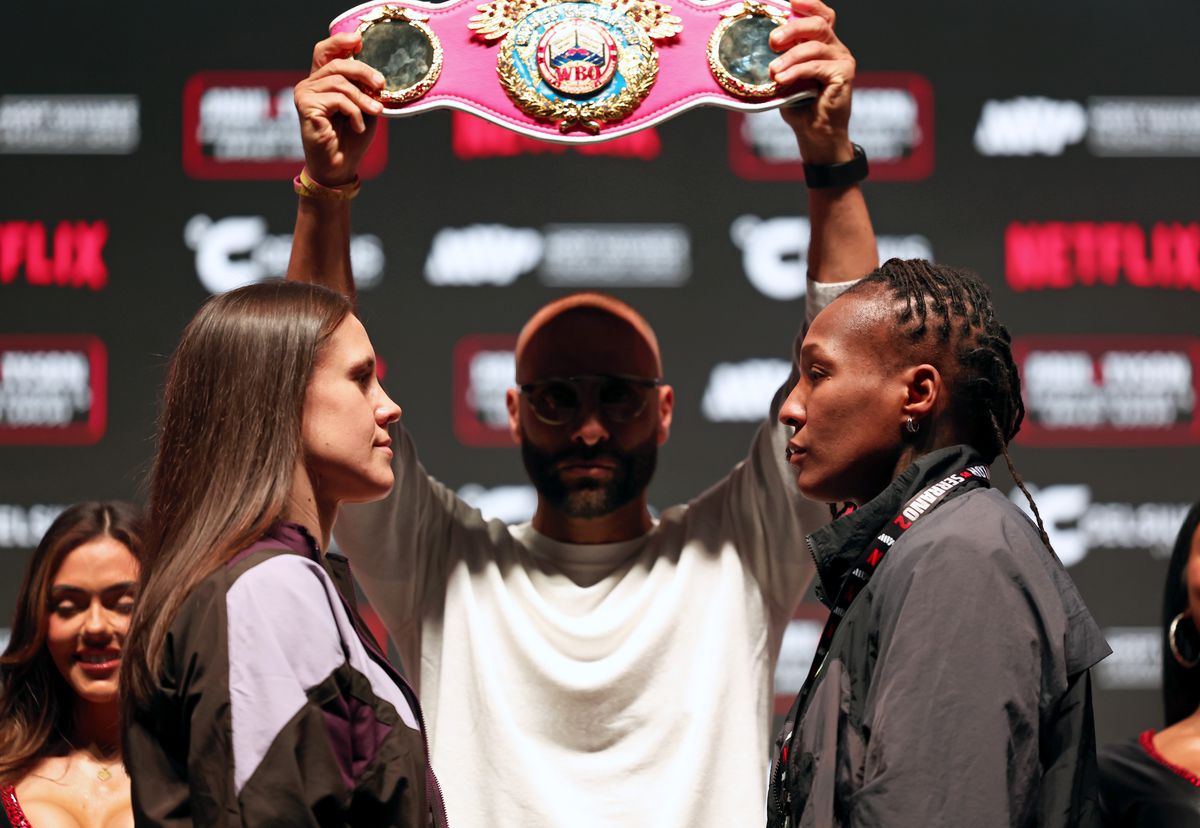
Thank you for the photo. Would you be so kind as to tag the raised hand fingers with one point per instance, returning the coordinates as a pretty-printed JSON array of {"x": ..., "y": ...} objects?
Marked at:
[
  {"x": 349, "y": 82},
  {"x": 340, "y": 45},
  {"x": 337, "y": 110},
  {"x": 355, "y": 70},
  {"x": 327, "y": 104},
  {"x": 799, "y": 29},
  {"x": 827, "y": 72},
  {"x": 813, "y": 60},
  {"x": 813, "y": 54},
  {"x": 814, "y": 8}
]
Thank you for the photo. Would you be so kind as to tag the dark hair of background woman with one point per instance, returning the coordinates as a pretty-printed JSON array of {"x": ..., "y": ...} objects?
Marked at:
[
  {"x": 1181, "y": 685},
  {"x": 228, "y": 446},
  {"x": 35, "y": 700}
]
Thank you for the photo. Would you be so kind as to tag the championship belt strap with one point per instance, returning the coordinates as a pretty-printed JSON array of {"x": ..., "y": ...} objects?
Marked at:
[{"x": 571, "y": 71}]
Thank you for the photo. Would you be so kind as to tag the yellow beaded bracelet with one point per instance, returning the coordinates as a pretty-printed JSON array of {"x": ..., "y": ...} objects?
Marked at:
[{"x": 307, "y": 188}]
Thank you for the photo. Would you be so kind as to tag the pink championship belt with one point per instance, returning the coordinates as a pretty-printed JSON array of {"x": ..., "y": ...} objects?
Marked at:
[{"x": 571, "y": 71}]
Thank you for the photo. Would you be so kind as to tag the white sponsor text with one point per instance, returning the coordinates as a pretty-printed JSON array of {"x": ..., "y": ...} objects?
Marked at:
[
  {"x": 239, "y": 250},
  {"x": 742, "y": 391}
]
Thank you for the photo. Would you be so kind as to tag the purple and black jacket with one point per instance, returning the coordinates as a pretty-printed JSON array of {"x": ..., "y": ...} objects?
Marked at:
[{"x": 275, "y": 705}]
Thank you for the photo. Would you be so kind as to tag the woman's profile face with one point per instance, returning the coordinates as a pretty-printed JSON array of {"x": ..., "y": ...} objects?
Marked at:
[
  {"x": 91, "y": 597},
  {"x": 846, "y": 406},
  {"x": 347, "y": 448}
]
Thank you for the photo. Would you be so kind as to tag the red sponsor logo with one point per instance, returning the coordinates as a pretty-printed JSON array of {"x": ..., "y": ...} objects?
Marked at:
[
  {"x": 892, "y": 120},
  {"x": 244, "y": 125},
  {"x": 474, "y": 137},
  {"x": 1057, "y": 255},
  {"x": 1109, "y": 390},
  {"x": 71, "y": 255},
  {"x": 53, "y": 390},
  {"x": 483, "y": 372}
]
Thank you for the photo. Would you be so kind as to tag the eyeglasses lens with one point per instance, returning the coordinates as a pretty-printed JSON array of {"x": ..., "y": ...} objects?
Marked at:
[
  {"x": 557, "y": 402},
  {"x": 621, "y": 401}
]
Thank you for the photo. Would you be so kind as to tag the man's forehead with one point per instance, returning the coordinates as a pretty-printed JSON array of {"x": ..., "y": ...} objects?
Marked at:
[
  {"x": 586, "y": 344},
  {"x": 587, "y": 334}
]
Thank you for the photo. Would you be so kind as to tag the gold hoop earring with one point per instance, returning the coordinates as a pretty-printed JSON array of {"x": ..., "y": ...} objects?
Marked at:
[
  {"x": 1183, "y": 662},
  {"x": 912, "y": 427}
]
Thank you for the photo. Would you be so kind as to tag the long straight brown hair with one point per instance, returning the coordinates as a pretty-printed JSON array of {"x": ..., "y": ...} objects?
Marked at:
[
  {"x": 228, "y": 446},
  {"x": 36, "y": 703}
]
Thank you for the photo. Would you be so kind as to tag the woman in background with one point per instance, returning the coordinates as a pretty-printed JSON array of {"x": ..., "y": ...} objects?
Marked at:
[
  {"x": 255, "y": 695},
  {"x": 1153, "y": 781},
  {"x": 60, "y": 734}
]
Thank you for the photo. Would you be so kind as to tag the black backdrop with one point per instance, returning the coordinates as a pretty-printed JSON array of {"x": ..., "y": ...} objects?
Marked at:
[{"x": 145, "y": 152}]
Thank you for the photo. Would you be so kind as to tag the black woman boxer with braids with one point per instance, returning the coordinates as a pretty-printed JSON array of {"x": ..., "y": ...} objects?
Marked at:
[{"x": 950, "y": 686}]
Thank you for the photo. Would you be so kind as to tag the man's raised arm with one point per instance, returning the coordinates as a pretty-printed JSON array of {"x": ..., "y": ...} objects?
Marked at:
[
  {"x": 842, "y": 245},
  {"x": 337, "y": 123}
]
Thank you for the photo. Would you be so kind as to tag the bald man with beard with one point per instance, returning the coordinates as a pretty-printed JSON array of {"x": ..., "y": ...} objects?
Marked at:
[{"x": 594, "y": 666}]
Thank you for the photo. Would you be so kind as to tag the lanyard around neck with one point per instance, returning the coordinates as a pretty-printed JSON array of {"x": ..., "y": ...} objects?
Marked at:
[{"x": 917, "y": 507}]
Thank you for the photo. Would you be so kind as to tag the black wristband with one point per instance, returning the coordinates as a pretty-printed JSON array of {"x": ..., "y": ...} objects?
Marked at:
[{"x": 824, "y": 176}]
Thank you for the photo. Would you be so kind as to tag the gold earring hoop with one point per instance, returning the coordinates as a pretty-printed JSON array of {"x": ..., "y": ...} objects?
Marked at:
[{"x": 1183, "y": 662}]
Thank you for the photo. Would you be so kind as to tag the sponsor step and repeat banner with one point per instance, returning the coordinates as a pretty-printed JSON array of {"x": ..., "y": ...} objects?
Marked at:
[{"x": 140, "y": 181}]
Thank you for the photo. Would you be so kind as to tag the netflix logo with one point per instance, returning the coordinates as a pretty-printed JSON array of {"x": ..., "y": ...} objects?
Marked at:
[
  {"x": 1059, "y": 255},
  {"x": 70, "y": 255}
]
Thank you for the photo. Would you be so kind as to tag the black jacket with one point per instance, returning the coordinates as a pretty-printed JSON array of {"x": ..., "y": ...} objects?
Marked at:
[
  {"x": 956, "y": 690},
  {"x": 1139, "y": 788},
  {"x": 276, "y": 707}
]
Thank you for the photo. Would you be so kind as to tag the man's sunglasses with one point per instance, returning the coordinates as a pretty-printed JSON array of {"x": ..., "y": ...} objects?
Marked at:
[{"x": 618, "y": 397}]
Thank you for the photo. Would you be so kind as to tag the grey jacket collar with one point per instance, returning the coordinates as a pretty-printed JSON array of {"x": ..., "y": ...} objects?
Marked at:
[{"x": 837, "y": 546}]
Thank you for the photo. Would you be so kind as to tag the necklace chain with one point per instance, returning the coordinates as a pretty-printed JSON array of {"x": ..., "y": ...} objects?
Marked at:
[{"x": 104, "y": 774}]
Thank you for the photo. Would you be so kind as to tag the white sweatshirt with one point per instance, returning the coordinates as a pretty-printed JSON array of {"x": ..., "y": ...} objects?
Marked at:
[{"x": 625, "y": 684}]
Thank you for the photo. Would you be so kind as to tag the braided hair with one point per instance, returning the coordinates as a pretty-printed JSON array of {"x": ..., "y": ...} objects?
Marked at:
[{"x": 948, "y": 312}]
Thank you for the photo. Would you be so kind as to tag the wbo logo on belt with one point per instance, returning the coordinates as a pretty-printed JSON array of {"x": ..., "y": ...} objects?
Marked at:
[{"x": 571, "y": 71}]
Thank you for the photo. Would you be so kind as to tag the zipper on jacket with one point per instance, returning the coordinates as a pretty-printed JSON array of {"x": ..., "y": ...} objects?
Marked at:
[
  {"x": 812, "y": 553},
  {"x": 430, "y": 777},
  {"x": 782, "y": 800},
  {"x": 374, "y": 649}
]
